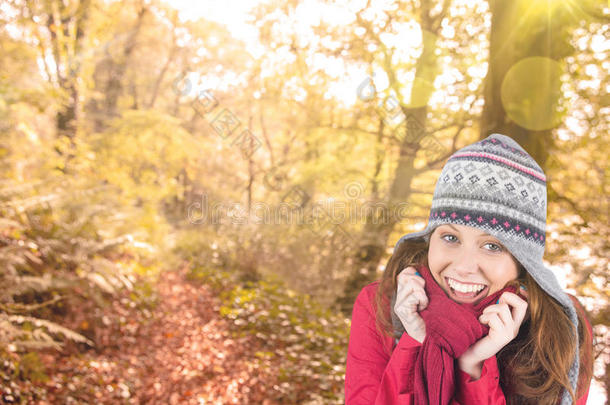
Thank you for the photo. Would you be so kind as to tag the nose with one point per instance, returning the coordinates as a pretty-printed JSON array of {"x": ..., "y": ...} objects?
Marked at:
[{"x": 465, "y": 263}]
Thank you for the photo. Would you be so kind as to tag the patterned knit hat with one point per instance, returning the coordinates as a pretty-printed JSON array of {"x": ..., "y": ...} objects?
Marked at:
[{"x": 496, "y": 186}]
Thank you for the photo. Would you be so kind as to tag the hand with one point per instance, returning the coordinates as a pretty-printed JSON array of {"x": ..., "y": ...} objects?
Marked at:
[
  {"x": 410, "y": 299},
  {"x": 504, "y": 320}
]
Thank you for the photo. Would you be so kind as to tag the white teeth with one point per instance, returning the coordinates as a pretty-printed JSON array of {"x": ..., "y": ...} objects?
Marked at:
[{"x": 465, "y": 288}]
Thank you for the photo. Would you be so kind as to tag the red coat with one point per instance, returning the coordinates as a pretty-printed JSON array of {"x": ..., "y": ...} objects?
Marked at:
[{"x": 374, "y": 377}]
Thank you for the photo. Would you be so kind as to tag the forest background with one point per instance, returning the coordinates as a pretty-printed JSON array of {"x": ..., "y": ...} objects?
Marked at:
[{"x": 269, "y": 153}]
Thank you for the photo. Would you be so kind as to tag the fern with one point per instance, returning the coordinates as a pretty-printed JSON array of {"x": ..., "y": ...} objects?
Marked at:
[
  {"x": 42, "y": 283},
  {"x": 50, "y": 248},
  {"x": 39, "y": 336}
]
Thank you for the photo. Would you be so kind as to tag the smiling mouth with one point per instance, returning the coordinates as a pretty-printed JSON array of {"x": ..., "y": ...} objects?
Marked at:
[{"x": 466, "y": 296}]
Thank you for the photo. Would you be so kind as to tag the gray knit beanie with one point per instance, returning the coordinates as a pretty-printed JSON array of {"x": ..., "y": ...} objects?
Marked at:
[{"x": 496, "y": 186}]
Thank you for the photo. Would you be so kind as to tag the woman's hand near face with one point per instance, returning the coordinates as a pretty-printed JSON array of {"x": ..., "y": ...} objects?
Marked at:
[
  {"x": 410, "y": 299},
  {"x": 504, "y": 320}
]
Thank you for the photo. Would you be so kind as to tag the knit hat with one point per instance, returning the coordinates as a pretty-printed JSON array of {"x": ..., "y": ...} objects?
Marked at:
[{"x": 496, "y": 186}]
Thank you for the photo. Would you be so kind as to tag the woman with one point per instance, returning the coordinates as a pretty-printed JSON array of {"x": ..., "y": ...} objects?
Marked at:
[{"x": 466, "y": 312}]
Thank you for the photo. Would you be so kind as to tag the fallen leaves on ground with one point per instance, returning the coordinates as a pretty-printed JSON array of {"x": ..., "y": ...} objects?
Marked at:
[{"x": 182, "y": 352}]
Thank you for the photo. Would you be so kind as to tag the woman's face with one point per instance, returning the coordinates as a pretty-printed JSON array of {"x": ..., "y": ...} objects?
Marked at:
[{"x": 468, "y": 263}]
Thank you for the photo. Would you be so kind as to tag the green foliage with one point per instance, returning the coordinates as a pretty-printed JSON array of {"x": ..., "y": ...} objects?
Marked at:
[
  {"x": 83, "y": 202},
  {"x": 306, "y": 340},
  {"x": 52, "y": 253},
  {"x": 30, "y": 368},
  {"x": 219, "y": 280},
  {"x": 202, "y": 247},
  {"x": 131, "y": 149},
  {"x": 144, "y": 295}
]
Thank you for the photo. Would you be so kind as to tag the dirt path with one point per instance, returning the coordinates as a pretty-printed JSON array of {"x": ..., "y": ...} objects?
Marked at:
[{"x": 182, "y": 354}]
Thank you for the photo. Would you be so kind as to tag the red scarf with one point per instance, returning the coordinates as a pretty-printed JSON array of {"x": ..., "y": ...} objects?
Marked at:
[{"x": 451, "y": 328}]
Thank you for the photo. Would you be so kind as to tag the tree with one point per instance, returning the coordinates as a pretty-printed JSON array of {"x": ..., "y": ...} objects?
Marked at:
[
  {"x": 528, "y": 44},
  {"x": 110, "y": 71},
  {"x": 59, "y": 30},
  {"x": 423, "y": 129}
]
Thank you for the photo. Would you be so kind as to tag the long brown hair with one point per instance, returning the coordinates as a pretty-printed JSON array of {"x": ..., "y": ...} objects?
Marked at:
[{"x": 534, "y": 366}]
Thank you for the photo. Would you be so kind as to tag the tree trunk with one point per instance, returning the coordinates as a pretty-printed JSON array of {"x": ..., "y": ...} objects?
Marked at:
[
  {"x": 373, "y": 240},
  {"x": 115, "y": 71},
  {"x": 379, "y": 224},
  {"x": 513, "y": 37},
  {"x": 67, "y": 47}
]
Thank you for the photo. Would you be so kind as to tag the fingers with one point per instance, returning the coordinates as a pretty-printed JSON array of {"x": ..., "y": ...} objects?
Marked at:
[
  {"x": 511, "y": 309},
  {"x": 411, "y": 284},
  {"x": 502, "y": 311},
  {"x": 408, "y": 282},
  {"x": 412, "y": 281},
  {"x": 493, "y": 320},
  {"x": 412, "y": 297},
  {"x": 409, "y": 270},
  {"x": 409, "y": 275},
  {"x": 519, "y": 306},
  {"x": 421, "y": 299}
]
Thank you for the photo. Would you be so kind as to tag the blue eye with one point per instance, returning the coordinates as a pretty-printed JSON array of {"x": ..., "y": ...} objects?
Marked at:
[
  {"x": 444, "y": 237},
  {"x": 492, "y": 247},
  {"x": 497, "y": 248}
]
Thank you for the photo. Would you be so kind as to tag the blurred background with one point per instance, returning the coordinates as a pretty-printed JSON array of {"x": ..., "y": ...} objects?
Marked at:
[{"x": 193, "y": 193}]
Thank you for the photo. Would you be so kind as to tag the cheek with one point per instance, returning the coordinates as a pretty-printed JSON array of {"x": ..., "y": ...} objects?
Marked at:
[
  {"x": 502, "y": 274},
  {"x": 436, "y": 259},
  {"x": 433, "y": 255}
]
